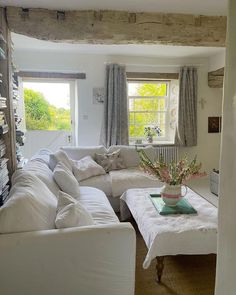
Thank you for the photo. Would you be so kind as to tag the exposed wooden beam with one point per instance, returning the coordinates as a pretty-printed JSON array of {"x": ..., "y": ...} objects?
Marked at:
[
  {"x": 151, "y": 76},
  {"x": 51, "y": 75},
  {"x": 118, "y": 27},
  {"x": 216, "y": 78}
]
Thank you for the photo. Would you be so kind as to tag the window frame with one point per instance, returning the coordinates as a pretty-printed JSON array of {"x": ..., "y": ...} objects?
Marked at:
[
  {"x": 161, "y": 139},
  {"x": 73, "y": 103}
]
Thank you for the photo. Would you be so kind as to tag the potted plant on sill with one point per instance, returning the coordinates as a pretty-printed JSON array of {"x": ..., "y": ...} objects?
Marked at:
[{"x": 150, "y": 132}]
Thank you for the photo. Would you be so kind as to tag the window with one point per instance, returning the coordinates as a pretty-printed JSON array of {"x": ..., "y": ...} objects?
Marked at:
[
  {"x": 47, "y": 104},
  {"x": 149, "y": 111}
]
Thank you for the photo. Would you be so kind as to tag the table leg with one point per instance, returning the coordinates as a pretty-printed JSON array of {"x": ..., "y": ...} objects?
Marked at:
[{"x": 159, "y": 267}]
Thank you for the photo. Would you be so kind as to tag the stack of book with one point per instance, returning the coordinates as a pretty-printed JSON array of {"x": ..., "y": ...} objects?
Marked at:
[
  {"x": 3, "y": 102},
  {"x": 2, "y": 118},
  {"x": 3, "y": 125},
  {"x": 2, "y": 148},
  {"x": 20, "y": 138},
  {"x": 20, "y": 158},
  {"x": 2, "y": 53},
  {"x": 20, "y": 135},
  {"x": 15, "y": 91},
  {"x": 4, "y": 180},
  {"x": 3, "y": 129}
]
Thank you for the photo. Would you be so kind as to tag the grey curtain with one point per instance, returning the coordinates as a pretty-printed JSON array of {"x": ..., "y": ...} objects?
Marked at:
[
  {"x": 115, "y": 121},
  {"x": 186, "y": 133}
]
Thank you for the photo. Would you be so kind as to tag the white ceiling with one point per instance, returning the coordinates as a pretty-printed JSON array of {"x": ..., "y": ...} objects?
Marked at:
[
  {"x": 30, "y": 44},
  {"x": 207, "y": 7}
]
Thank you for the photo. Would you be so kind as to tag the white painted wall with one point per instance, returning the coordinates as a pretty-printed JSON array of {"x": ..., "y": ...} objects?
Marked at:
[
  {"x": 90, "y": 115},
  {"x": 217, "y": 61}
]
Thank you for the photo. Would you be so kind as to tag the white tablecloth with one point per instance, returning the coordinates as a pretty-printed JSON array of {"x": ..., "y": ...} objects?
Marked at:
[{"x": 172, "y": 234}]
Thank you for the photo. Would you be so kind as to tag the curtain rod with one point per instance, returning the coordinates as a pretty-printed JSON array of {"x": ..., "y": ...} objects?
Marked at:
[
  {"x": 149, "y": 65},
  {"x": 51, "y": 75}
]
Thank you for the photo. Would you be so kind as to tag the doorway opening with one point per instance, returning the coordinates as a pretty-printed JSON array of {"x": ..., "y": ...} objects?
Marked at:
[{"x": 48, "y": 108}]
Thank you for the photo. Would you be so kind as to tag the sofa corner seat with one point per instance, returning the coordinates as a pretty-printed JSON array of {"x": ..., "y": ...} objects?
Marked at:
[{"x": 116, "y": 182}]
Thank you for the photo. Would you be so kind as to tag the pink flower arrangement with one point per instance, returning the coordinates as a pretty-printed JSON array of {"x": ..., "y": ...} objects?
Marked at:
[{"x": 174, "y": 173}]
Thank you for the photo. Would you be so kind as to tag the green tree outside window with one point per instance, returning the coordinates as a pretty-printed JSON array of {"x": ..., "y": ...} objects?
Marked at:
[
  {"x": 41, "y": 115},
  {"x": 147, "y": 110}
]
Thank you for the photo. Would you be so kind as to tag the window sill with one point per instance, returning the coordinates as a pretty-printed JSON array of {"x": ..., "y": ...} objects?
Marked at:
[{"x": 154, "y": 144}]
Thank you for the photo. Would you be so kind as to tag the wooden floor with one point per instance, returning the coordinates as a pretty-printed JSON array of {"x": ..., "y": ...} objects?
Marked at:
[{"x": 183, "y": 275}]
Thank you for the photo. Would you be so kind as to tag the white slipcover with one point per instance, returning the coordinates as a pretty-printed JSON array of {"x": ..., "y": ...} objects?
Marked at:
[{"x": 93, "y": 260}]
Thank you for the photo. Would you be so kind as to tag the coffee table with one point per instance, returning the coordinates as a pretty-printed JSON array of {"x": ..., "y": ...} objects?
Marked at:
[{"x": 185, "y": 234}]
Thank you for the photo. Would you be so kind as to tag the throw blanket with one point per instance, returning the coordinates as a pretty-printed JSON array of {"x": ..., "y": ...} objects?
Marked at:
[
  {"x": 172, "y": 234},
  {"x": 122, "y": 180}
]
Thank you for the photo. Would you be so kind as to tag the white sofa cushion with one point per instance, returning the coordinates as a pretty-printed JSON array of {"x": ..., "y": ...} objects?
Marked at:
[
  {"x": 122, "y": 180},
  {"x": 71, "y": 213},
  {"x": 102, "y": 182},
  {"x": 59, "y": 156},
  {"x": 44, "y": 173},
  {"x": 96, "y": 202},
  {"x": 130, "y": 155},
  {"x": 110, "y": 161},
  {"x": 66, "y": 180},
  {"x": 42, "y": 156},
  {"x": 79, "y": 152},
  {"x": 31, "y": 206},
  {"x": 86, "y": 167}
]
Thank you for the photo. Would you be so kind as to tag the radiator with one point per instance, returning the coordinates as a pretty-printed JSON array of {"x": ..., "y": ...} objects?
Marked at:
[{"x": 169, "y": 153}]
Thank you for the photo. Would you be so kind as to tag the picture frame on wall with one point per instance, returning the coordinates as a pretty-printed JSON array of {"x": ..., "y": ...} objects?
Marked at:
[
  {"x": 98, "y": 95},
  {"x": 214, "y": 124}
]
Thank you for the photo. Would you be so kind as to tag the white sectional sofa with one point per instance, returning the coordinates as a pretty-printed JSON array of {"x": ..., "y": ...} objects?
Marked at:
[
  {"x": 97, "y": 259},
  {"x": 116, "y": 182}
]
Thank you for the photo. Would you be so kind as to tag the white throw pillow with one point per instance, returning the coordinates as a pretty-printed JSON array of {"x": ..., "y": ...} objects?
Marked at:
[
  {"x": 70, "y": 213},
  {"x": 66, "y": 180},
  {"x": 31, "y": 206},
  {"x": 44, "y": 173},
  {"x": 110, "y": 161},
  {"x": 59, "y": 156},
  {"x": 86, "y": 168}
]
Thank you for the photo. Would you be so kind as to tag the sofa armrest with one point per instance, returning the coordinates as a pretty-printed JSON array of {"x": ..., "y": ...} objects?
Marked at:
[{"x": 86, "y": 260}]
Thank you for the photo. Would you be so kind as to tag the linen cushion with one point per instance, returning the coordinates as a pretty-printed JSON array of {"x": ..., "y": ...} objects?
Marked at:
[
  {"x": 79, "y": 152},
  {"x": 110, "y": 161},
  {"x": 70, "y": 213},
  {"x": 96, "y": 202},
  {"x": 130, "y": 155},
  {"x": 66, "y": 180},
  {"x": 42, "y": 156},
  {"x": 102, "y": 182},
  {"x": 44, "y": 173},
  {"x": 59, "y": 156},
  {"x": 31, "y": 206},
  {"x": 86, "y": 168}
]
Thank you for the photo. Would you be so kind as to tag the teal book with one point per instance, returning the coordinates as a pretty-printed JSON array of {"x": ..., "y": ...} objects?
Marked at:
[{"x": 182, "y": 207}]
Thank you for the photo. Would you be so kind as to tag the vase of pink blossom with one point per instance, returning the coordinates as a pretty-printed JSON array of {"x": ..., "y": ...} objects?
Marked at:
[
  {"x": 174, "y": 175},
  {"x": 172, "y": 194}
]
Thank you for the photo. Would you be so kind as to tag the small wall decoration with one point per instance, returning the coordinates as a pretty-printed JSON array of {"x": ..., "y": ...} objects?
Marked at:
[
  {"x": 98, "y": 95},
  {"x": 214, "y": 124}
]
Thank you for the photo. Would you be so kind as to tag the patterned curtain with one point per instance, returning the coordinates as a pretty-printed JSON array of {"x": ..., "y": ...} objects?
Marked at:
[
  {"x": 115, "y": 122},
  {"x": 186, "y": 134}
]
